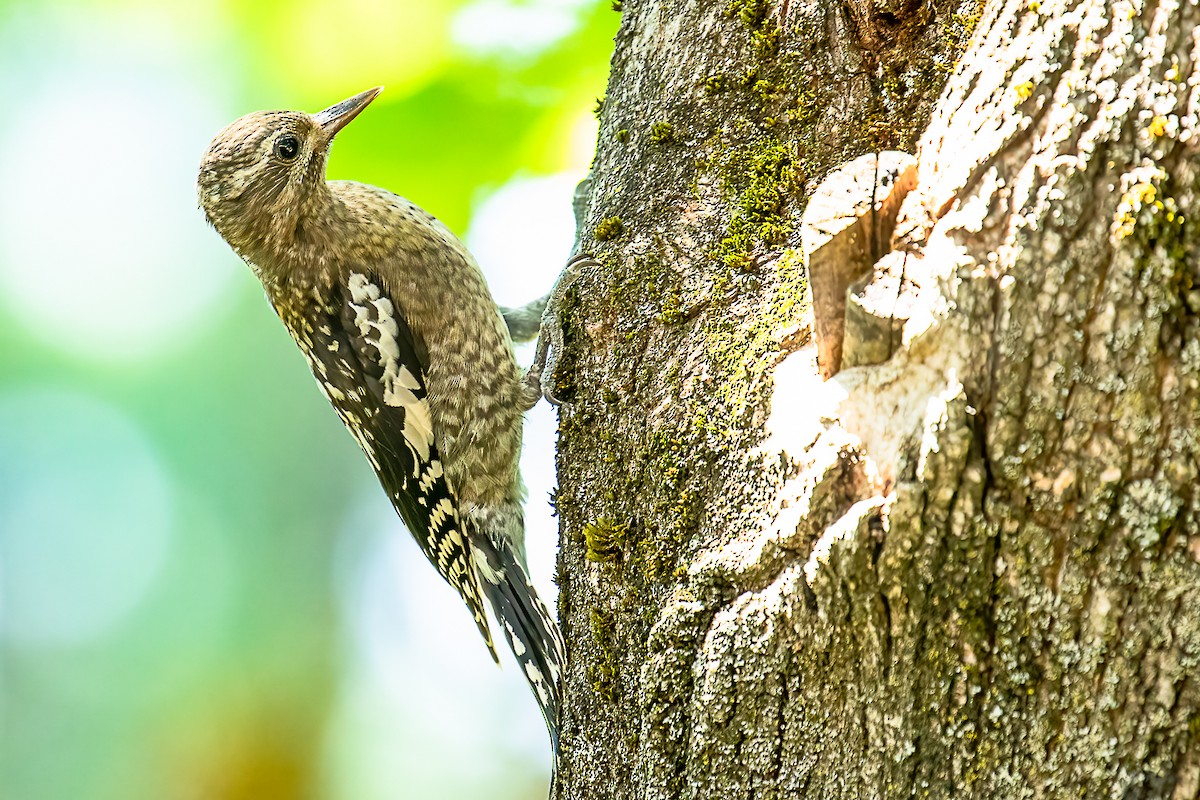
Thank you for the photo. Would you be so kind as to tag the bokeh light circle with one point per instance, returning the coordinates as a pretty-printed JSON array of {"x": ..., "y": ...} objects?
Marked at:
[
  {"x": 103, "y": 252},
  {"x": 85, "y": 517}
]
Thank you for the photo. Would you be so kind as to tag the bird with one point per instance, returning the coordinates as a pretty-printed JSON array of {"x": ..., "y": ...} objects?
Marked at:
[{"x": 397, "y": 324}]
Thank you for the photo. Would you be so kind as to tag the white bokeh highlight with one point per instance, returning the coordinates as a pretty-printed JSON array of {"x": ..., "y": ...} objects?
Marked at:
[
  {"x": 86, "y": 518},
  {"x": 515, "y": 27},
  {"x": 103, "y": 253},
  {"x": 418, "y": 677}
]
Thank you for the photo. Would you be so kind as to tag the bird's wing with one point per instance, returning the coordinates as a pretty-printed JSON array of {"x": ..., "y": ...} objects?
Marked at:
[{"x": 366, "y": 361}]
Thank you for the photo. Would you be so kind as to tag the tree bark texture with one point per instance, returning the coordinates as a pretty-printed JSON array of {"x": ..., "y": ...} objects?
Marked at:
[{"x": 967, "y": 563}]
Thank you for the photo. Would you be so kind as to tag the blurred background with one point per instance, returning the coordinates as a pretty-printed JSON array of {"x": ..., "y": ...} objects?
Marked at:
[{"x": 203, "y": 592}]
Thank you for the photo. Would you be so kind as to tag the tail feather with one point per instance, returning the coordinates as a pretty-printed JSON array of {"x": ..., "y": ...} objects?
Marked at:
[{"x": 531, "y": 632}]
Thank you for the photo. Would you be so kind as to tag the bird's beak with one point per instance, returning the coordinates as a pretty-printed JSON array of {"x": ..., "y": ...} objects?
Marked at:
[{"x": 336, "y": 117}]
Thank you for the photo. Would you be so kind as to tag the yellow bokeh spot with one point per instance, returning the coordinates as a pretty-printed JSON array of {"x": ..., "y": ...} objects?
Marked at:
[{"x": 339, "y": 48}]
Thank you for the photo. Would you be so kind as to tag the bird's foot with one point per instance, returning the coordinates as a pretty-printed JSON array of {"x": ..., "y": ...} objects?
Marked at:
[{"x": 539, "y": 378}]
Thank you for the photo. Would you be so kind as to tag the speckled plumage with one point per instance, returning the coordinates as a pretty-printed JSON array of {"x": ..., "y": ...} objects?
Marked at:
[{"x": 400, "y": 330}]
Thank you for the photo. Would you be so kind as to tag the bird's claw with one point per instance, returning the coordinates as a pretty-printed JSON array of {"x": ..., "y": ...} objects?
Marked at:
[{"x": 539, "y": 379}]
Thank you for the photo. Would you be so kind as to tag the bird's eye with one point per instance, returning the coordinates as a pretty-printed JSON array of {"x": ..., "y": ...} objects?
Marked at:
[{"x": 287, "y": 147}]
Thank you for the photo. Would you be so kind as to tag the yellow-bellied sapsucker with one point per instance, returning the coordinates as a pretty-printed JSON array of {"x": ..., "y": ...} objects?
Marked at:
[{"x": 402, "y": 334}]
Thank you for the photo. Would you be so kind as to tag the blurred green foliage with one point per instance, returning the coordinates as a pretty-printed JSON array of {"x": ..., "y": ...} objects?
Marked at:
[{"x": 185, "y": 558}]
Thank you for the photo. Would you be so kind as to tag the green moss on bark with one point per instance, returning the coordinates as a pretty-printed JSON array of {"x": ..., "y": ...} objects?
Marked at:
[
  {"x": 603, "y": 671},
  {"x": 606, "y": 540}
]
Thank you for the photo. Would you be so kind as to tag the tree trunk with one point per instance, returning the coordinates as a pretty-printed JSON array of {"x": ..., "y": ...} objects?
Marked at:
[{"x": 967, "y": 563}]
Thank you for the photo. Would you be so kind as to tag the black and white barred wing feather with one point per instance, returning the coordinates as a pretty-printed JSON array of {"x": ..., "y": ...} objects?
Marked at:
[{"x": 367, "y": 363}]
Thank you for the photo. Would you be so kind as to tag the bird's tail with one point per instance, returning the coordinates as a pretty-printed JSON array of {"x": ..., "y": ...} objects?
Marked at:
[{"x": 531, "y": 632}]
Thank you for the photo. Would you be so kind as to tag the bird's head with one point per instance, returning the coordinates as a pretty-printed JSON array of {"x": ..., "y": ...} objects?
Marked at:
[{"x": 261, "y": 171}]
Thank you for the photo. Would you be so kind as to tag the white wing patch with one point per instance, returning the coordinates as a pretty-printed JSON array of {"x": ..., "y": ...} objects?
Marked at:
[
  {"x": 433, "y": 471},
  {"x": 537, "y": 681},
  {"x": 444, "y": 510},
  {"x": 399, "y": 382}
]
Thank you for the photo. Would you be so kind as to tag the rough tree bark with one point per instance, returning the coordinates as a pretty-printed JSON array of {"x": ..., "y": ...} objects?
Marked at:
[{"x": 968, "y": 563}]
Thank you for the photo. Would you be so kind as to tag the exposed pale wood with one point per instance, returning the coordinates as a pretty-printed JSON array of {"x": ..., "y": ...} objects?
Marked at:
[{"x": 847, "y": 227}]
